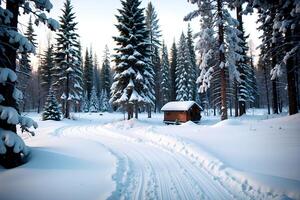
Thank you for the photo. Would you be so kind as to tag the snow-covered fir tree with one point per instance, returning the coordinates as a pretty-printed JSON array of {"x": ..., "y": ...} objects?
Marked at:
[
  {"x": 96, "y": 74},
  {"x": 227, "y": 42},
  {"x": 51, "y": 108},
  {"x": 46, "y": 67},
  {"x": 88, "y": 72},
  {"x": 105, "y": 73},
  {"x": 245, "y": 89},
  {"x": 24, "y": 67},
  {"x": 94, "y": 102},
  {"x": 152, "y": 23},
  {"x": 183, "y": 88},
  {"x": 67, "y": 70},
  {"x": 104, "y": 101},
  {"x": 13, "y": 150},
  {"x": 130, "y": 89},
  {"x": 85, "y": 103},
  {"x": 282, "y": 18},
  {"x": 173, "y": 66},
  {"x": 165, "y": 84},
  {"x": 193, "y": 72}
]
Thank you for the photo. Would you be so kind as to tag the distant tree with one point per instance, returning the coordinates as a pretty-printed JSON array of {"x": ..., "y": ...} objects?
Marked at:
[
  {"x": 88, "y": 73},
  {"x": 25, "y": 68},
  {"x": 94, "y": 102},
  {"x": 133, "y": 76},
  {"x": 51, "y": 108},
  {"x": 152, "y": 23},
  {"x": 67, "y": 71},
  {"x": 193, "y": 72},
  {"x": 104, "y": 101},
  {"x": 173, "y": 66},
  {"x": 105, "y": 74},
  {"x": 165, "y": 84},
  {"x": 156, "y": 61},
  {"x": 46, "y": 68},
  {"x": 183, "y": 92}
]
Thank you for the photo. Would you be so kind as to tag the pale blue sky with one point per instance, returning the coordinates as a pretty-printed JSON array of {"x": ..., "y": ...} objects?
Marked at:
[{"x": 96, "y": 19}]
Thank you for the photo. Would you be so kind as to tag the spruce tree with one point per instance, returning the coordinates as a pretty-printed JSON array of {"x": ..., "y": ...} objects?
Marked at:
[
  {"x": 193, "y": 66},
  {"x": 105, "y": 74},
  {"x": 152, "y": 24},
  {"x": 25, "y": 68},
  {"x": 183, "y": 65},
  {"x": 130, "y": 89},
  {"x": 67, "y": 76},
  {"x": 173, "y": 66},
  {"x": 88, "y": 73},
  {"x": 227, "y": 43},
  {"x": 94, "y": 101},
  {"x": 46, "y": 67},
  {"x": 165, "y": 84},
  {"x": 51, "y": 108}
]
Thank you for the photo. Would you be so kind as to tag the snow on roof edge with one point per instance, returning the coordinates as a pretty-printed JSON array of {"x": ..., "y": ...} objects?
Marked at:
[{"x": 179, "y": 106}]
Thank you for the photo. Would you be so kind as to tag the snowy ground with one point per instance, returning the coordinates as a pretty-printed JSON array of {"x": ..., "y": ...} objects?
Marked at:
[{"x": 104, "y": 157}]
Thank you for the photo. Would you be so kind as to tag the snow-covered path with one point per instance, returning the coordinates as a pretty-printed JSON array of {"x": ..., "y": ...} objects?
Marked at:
[
  {"x": 109, "y": 158},
  {"x": 146, "y": 171},
  {"x": 159, "y": 166}
]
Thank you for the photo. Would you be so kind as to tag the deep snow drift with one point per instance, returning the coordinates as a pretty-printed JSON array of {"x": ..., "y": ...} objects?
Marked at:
[{"x": 104, "y": 157}]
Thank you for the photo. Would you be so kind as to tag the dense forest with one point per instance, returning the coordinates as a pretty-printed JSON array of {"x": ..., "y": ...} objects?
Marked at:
[{"x": 214, "y": 67}]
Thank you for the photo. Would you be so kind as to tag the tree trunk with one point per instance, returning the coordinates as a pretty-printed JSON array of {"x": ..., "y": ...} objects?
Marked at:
[
  {"x": 136, "y": 109},
  {"x": 291, "y": 76},
  {"x": 149, "y": 110},
  {"x": 129, "y": 111},
  {"x": 236, "y": 101},
  {"x": 222, "y": 62},
  {"x": 242, "y": 100},
  {"x": 274, "y": 97},
  {"x": 266, "y": 87},
  {"x": 67, "y": 101}
]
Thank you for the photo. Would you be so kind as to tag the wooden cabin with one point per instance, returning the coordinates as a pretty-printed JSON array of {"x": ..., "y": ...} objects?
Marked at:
[{"x": 181, "y": 111}]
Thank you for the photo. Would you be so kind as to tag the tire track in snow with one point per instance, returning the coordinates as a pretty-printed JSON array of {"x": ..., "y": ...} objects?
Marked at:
[{"x": 148, "y": 172}]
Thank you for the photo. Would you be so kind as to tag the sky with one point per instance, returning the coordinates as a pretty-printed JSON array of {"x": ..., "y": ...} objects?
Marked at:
[{"x": 96, "y": 19}]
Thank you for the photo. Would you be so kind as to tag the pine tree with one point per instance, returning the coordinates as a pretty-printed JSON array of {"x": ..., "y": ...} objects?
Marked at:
[
  {"x": 130, "y": 88},
  {"x": 157, "y": 79},
  {"x": 94, "y": 102},
  {"x": 88, "y": 73},
  {"x": 25, "y": 68},
  {"x": 85, "y": 103},
  {"x": 183, "y": 63},
  {"x": 67, "y": 76},
  {"x": 46, "y": 67},
  {"x": 51, "y": 108},
  {"x": 12, "y": 41},
  {"x": 173, "y": 66},
  {"x": 165, "y": 84},
  {"x": 104, "y": 104},
  {"x": 152, "y": 24},
  {"x": 96, "y": 75},
  {"x": 193, "y": 71},
  {"x": 227, "y": 43},
  {"x": 105, "y": 74}
]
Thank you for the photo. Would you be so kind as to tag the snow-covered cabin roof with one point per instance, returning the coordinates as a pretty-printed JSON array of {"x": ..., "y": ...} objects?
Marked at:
[{"x": 179, "y": 106}]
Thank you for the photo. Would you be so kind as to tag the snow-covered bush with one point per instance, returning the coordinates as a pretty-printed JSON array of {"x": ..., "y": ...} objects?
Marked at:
[{"x": 51, "y": 108}]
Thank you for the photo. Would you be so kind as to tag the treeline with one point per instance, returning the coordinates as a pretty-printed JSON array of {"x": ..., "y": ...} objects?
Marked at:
[
  {"x": 228, "y": 75},
  {"x": 74, "y": 82}
]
